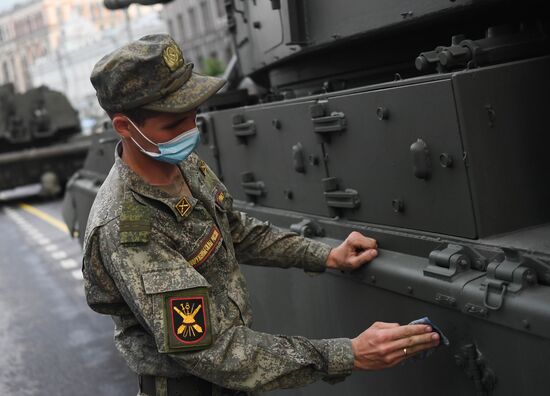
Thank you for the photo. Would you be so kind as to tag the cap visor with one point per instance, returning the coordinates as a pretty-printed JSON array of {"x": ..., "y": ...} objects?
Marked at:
[{"x": 191, "y": 95}]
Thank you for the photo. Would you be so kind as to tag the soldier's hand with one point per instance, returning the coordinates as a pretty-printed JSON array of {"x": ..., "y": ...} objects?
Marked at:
[
  {"x": 355, "y": 251},
  {"x": 384, "y": 345}
]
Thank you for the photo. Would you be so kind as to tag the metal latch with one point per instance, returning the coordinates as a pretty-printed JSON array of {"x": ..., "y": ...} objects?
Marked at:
[
  {"x": 335, "y": 198},
  {"x": 452, "y": 260},
  {"x": 323, "y": 122},
  {"x": 509, "y": 273},
  {"x": 251, "y": 186},
  {"x": 243, "y": 128}
]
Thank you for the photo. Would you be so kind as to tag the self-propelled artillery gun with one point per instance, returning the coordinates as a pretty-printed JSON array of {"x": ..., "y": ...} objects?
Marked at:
[
  {"x": 39, "y": 140},
  {"x": 421, "y": 124}
]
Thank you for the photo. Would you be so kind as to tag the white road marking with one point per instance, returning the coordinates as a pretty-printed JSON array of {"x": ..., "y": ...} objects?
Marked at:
[
  {"x": 50, "y": 248},
  {"x": 59, "y": 254},
  {"x": 68, "y": 263},
  {"x": 77, "y": 274}
]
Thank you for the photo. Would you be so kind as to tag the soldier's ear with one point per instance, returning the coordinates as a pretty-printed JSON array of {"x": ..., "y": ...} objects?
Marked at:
[{"x": 121, "y": 125}]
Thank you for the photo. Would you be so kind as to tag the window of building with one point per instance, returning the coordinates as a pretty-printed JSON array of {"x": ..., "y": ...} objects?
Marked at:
[
  {"x": 58, "y": 15},
  {"x": 193, "y": 22},
  {"x": 220, "y": 8},
  {"x": 39, "y": 21},
  {"x": 6, "y": 72},
  {"x": 206, "y": 16},
  {"x": 181, "y": 27},
  {"x": 171, "y": 28}
]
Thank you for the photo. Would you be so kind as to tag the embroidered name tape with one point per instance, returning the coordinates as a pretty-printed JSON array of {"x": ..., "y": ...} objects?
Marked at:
[{"x": 206, "y": 248}]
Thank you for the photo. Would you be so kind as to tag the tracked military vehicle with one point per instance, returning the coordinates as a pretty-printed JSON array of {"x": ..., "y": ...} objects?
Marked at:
[
  {"x": 38, "y": 141},
  {"x": 421, "y": 124}
]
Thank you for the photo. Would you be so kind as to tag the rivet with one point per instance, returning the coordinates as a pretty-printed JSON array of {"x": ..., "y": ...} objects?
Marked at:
[
  {"x": 463, "y": 262},
  {"x": 526, "y": 324},
  {"x": 446, "y": 160},
  {"x": 530, "y": 277},
  {"x": 373, "y": 279},
  {"x": 382, "y": 113},
  {"x": 288, "y": 194},
  {"x": 410, "y": 289},
  {"x": 313, "y": 160},
  {"x": 398, "y": 205}
]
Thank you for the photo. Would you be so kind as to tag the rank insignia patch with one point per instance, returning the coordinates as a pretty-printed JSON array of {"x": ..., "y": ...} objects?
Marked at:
[
  {"x": 219, "y": 197},
  {"x": 202, "y": 167},
  {"x": 188, "y": 321},
  {"x": 183, "y": 206}
]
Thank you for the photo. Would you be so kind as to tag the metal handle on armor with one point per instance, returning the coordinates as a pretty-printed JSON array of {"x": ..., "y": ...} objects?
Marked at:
[
  {"x": 243, "y": 128},
  {"x": 335, "y": 122}
]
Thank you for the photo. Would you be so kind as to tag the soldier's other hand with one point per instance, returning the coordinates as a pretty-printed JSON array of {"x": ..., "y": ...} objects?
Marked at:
[
  {"x": 355, "y": 251},
  {"x": 384, "y": 345}
]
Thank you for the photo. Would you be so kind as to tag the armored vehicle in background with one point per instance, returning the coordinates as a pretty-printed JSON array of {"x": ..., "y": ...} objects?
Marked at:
[
  {"x": 421, "y": 124},
  {"x": 38, "y": 139}
]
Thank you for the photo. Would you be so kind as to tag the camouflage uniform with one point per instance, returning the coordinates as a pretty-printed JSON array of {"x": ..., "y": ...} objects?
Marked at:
[{"x": 167, "y": 270}]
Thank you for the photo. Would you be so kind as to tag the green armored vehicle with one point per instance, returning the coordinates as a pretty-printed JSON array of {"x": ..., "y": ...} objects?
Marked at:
[
  {"x": 421, "y": 124},
  {"x": 38, "y": 139}
]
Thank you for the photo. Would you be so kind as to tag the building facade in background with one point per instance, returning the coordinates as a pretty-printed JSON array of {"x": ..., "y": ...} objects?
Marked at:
[
  {"x": 57, "y": 42},
  {"x": 81, "y": 43},
  {"x": 23, "y": 39},
  {"x": 200, "y": 28}
]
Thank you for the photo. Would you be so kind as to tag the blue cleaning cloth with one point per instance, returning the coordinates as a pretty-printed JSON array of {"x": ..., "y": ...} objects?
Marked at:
[{"x": 443, "y": 340}]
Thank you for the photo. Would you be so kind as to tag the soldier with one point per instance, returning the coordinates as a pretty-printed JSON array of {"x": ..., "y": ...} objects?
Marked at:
[{"x": 163, "y": 246}]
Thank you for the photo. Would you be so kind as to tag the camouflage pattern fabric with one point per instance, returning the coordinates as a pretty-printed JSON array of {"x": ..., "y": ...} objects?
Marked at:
[
  {"x": 150, "y": 73},
  {"x": 139, "y": 248}
]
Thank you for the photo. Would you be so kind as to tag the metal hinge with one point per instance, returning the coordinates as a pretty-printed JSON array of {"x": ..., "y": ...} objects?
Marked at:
[
  {"x": 509, "y": 273},
  {"x": 452, "y": 260},
  {"x": 308, "y": 228}
]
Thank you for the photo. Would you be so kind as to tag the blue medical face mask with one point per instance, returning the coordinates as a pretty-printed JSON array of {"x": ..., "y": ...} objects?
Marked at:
[{"x": 175, "y": 150}]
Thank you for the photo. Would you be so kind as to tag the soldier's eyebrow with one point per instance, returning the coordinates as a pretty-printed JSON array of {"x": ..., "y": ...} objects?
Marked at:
[{"x": 178, "y": 121}]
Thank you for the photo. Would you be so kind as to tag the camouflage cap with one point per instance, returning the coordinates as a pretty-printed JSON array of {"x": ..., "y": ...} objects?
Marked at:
[{"x": 150, "y": 73}]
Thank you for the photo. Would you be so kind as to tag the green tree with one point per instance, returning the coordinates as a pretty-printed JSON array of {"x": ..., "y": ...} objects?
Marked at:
[{"x": 212, "y": 67}]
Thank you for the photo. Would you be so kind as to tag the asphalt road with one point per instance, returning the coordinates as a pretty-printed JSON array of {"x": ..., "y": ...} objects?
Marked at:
[{"x": 51, "y": 343}]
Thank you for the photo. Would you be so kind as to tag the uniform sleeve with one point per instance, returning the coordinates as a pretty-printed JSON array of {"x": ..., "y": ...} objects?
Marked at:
[
  {"x": 259, "y": 243},
  {"x": 102, "y": 295},
  {"x": 238, "y": 357}
]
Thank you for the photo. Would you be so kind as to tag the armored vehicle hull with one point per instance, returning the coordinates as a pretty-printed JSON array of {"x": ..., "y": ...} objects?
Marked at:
[{"x": 423, "y": 126}]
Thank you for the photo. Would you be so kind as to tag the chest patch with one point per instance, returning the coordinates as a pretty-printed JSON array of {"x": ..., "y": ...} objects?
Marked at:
[
  {"x": 188, "y": 320},
  {"x": 135, "y": 222},
  {"x": 206, "y": 248}
]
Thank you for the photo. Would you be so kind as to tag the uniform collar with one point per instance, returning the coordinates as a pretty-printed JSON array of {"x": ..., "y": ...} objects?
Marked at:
[
  {"x": 195, "y": 178},
  {"x": 138, "y": 186}
]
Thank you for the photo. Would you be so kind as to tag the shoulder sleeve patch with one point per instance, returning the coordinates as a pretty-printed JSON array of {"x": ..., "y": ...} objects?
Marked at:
[
  {"x": 187, "y": 320},
  {"x": 135, "y": 222}
]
